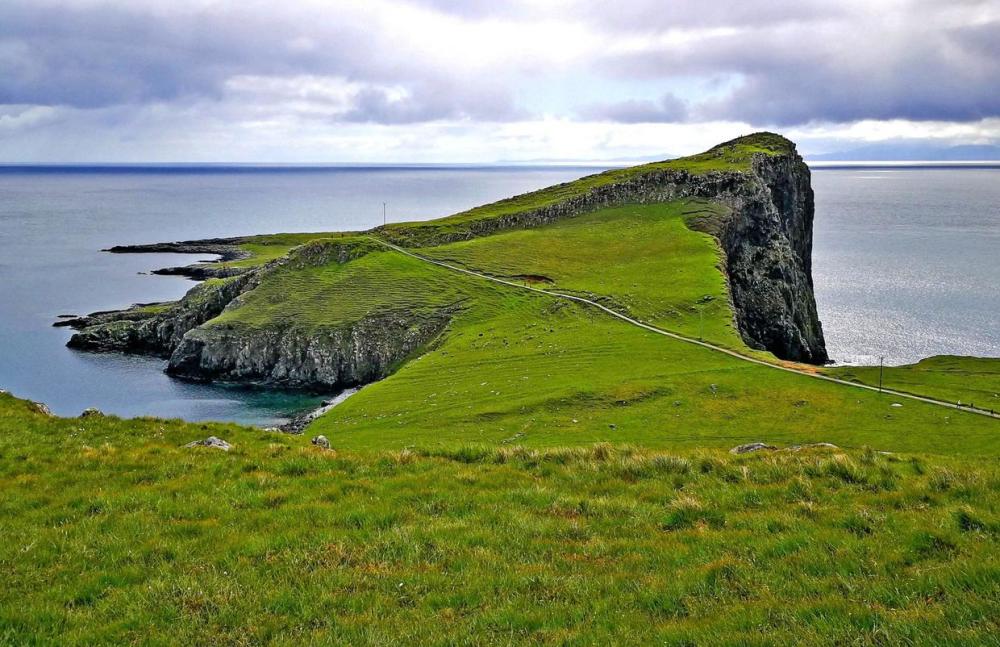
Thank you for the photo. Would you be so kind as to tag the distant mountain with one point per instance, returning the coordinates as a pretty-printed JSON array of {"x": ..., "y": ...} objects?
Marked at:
[{"x": 912, "y": 152}]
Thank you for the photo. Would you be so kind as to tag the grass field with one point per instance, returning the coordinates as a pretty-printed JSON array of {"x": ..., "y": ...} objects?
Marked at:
[
  {"x": 114, "y": 533},
  {"x": 968, "y": 380},
  {"x": 641, "y": 260}
]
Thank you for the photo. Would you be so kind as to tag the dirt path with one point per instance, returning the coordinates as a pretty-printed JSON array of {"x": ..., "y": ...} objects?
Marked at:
[{"x": 807, "y": 372}]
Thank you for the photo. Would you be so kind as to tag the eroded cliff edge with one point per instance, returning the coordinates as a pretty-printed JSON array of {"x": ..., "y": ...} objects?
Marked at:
[{"x": 766, "y": 237}]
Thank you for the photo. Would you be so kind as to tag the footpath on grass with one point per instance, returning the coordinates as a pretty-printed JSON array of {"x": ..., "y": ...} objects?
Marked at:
[{"x": 690, "y": 340}]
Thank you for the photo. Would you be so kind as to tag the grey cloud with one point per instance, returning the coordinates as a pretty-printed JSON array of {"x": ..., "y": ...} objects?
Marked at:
[
  {"x": 110, "y": 55},
  {"x": 841, "y": 73},
  {"x": 429, "y": 103},
  {"x": 668, "y": 109},
  {"x": 789, "y": 62},
  {"x": 646, "y": 15}
]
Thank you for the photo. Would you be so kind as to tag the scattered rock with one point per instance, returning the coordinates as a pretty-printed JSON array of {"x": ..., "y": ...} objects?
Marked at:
[
  {"x": 321, "y": 441},
  {"x": 41, "y": 408},
  {"x": 714, "y": 388},
  {"x": 896, "y": 404},
  {"x": 272, "y": 430},
  {"x": 91, "y": 411},
  {"x": 612, "y": 426},
  {"x": 795, "y": 448},
  {"x": 211, "y": 441},
  {"x": 751, "y": 447}
]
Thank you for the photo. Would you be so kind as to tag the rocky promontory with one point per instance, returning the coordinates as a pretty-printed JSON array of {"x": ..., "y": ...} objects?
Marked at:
[{"x": 764, "y": 232}]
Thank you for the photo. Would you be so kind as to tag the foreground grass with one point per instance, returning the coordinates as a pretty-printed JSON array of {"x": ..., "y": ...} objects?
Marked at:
[
  {"x": 114, "y": 533},
  {"x": 966, "y": 380}
]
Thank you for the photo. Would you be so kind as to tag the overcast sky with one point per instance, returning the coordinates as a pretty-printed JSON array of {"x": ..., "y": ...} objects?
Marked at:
[{"x": 480, "y": 81}]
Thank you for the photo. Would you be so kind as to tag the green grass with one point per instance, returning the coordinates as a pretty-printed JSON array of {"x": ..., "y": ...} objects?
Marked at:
[
  {"x": 542, "y": 473},
  {"x": 969, "y": 380},
  {"x": 113, "y": 533},
  {"x": 733, "y": 156},
  {"x": 641, "y": 260},
  {"x": 533, "y": 369},
  {"x": 269, "y": 247},
  {"x": 333, "y": 294}
]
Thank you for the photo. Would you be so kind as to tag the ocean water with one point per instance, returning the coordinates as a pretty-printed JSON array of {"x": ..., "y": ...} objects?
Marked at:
[{"x": 905, "y": 262}]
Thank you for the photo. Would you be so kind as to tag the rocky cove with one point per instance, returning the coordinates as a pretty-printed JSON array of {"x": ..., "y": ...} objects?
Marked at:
[{"x": 765, "y": 236}]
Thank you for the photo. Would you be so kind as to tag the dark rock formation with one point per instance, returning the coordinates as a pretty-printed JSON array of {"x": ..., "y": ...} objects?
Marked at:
[
  {"x": 357, "y": 353},
  {"x": 228, "y": 249},
  {"x": 329, "y": 358},
  {"x": 138, "y": 330}
]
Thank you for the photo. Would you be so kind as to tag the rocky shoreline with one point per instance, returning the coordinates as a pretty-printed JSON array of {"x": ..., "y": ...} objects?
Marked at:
[{"x": 227, "y": 249}]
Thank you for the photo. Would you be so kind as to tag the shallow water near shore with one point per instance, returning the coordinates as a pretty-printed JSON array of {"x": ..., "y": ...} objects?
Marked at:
[{"x": 905, "y": 262}]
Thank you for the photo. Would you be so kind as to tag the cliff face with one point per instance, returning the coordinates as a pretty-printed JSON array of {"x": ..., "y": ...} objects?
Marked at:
[
  {"x": 768, "y": 246},
  {"x": 361, "y": 352}
]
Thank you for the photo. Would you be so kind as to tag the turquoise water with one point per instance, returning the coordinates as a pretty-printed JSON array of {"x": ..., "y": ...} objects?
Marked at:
[{"x": 905, "y": 262}]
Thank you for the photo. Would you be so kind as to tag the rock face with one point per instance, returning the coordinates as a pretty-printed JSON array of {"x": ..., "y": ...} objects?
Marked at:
[
  {"x": 358, "y": 353},
  {"x": 158, "y": 332},
  {"x": 768, "y": 246}
]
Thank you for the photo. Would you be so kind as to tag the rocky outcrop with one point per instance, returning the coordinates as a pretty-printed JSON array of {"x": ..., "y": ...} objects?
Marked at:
[
  {"x": 767, "y": 240},
  {"x": 329, "y": 358},
  {"x": 323, "y": 358},
  {"x": 137, "y": 330},
  {"x": 228, "y": 249},
  {"x": 764, "y": 229}
]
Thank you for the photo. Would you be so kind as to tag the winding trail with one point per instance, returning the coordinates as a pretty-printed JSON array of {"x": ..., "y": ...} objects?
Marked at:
[{"x": 689, "y": 340}]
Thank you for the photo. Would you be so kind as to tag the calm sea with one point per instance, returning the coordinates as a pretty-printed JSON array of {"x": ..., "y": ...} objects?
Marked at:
[{"x": 906, "y": 262}]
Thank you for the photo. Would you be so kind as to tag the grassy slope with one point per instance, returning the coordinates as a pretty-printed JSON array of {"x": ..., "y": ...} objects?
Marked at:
[
  {"x": 546, "y": 372},
  {"x": 113, "y": 533},
  {"x": 974, "y": 380},
  {"x": 333, "y": 294},
  {"x": 642, "y": 260}
]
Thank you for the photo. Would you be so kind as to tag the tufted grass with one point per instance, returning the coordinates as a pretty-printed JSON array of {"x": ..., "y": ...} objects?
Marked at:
[{"x": 113, "y": 533}]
